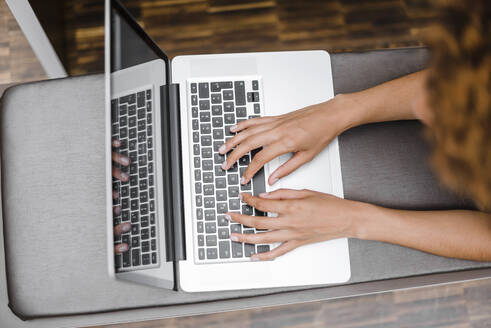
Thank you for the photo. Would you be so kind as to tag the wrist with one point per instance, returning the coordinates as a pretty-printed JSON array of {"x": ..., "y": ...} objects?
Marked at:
[
  {"x": 347, "y": 111},
  {"x": 367, "y": 221}
]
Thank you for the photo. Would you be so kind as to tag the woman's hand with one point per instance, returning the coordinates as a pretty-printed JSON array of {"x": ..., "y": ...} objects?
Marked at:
[
  {"x": 304, "y": 132},
  {"x": 118, "y": 174},
  {"x": 304, "y": 217}
]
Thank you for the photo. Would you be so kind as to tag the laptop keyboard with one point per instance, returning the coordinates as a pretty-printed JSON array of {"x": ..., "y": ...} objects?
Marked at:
[
  {"x": 215, "y": 107},
  {"x": 131, "y": 117}
]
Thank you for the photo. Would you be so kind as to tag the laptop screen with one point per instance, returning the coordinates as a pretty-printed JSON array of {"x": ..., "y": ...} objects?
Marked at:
[{"x": 130, "y": 46}]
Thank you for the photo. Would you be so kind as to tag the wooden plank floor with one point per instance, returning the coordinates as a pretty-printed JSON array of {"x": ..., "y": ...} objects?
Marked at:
[{"x": 213, "y": 26}]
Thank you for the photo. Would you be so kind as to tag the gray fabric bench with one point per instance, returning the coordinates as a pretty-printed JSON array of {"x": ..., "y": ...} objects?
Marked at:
[{"x": 52, "y": 148}]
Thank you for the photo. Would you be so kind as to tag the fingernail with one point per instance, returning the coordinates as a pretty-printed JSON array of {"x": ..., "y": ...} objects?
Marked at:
[
  {"x": 117, "y": 142},
  {"x": 233, "y": 128},
  {"x": 254, "y": 258},
  {"x": 122, "y": 247},
  {"x": 224, "y": 165},
  {"x": 242, "y": 180},
  {"x": 222, "y": 148},
  {"x": 263, "y": 194},
  {"x": 228, "y": 217},
  {"x": 124, "y": 176},
  {"x": 234, "y": 238},
  {"x": 126, "y": 228},
  {"x": 274, "y": 181},
  {"x": 125, "y": 160}
]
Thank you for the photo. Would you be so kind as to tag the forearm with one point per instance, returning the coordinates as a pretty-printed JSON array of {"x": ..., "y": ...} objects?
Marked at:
[
  {"x": 388, "y": 101},
  {"x": 456, "y": 233}
]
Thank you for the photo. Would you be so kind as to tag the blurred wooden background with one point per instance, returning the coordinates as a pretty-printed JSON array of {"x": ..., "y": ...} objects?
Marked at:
[{"x": 216, "y": 26}]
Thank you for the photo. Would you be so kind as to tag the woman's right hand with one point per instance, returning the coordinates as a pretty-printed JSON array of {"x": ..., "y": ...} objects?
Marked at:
[{"x": 304, "y": 132}]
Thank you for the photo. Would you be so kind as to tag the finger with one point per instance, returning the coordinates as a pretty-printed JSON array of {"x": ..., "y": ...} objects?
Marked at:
[
  {"x": 259, "y": 222},
  {"x": 264, "y": 205},
  {"x": 120, "y": 248},
  {"x": 297, "y": 160},
  {"x": 275, "y": 236},
  {"x": 120, "y": 175},
  {"x": 121, "y": 159},
  {"x": 116, "y": 143},
  {"x": 122, "y": 228},
  {"x": 251, "y": 122},
  {"x": 243, "y": 148},
  {"x": 116, "y": 210},
  {"x": 115, "y": 194},
  {"x": 264, "y": 156},
  {"x": 278, "y": 251},
  {"x": 285, "y": 194},
  {"x": 243, "y": 136}
]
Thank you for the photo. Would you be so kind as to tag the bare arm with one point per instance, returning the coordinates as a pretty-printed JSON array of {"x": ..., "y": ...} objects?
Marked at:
[{"x": 454, "y": 233}]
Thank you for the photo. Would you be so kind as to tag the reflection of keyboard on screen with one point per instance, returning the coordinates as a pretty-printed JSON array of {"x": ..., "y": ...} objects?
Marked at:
[
  {"x": 215, "y": 107},
  {"x": 132, "y": 118}
]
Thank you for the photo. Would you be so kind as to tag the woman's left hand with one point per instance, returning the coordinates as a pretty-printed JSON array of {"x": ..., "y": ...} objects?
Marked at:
[{"x": 304, "y": 217}]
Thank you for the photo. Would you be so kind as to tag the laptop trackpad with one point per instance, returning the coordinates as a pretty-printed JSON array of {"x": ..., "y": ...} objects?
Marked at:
[{"x": 315, "y": 175}]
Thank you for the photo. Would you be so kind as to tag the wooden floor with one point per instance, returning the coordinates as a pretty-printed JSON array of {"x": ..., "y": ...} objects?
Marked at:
[{"x": 211, "y": 26}]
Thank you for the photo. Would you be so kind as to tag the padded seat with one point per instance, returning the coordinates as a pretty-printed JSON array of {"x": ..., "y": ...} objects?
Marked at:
[{"x": 52, "y": 142}]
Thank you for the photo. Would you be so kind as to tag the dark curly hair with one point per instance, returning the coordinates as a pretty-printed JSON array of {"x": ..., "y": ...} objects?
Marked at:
[{"x": 459, "y": 93}]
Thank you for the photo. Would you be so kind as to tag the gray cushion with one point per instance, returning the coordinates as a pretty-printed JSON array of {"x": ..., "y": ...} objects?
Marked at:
[{"x": 53, "y": 193}]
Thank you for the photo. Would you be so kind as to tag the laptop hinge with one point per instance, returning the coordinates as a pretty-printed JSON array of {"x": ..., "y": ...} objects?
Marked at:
[{"x": 172, "y": 173}]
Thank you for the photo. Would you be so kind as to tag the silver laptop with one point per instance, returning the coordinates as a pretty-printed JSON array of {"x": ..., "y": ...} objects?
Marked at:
[{"x": 171, "y": 116}]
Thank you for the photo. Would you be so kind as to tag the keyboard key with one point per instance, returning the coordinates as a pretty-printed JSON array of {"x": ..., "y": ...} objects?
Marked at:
[
  {"x": 217, "y": 134},
  {"x": 199, "y": 212},
  {"x": 239, "y": 93},
  {"x": 197, "y": 175},
  {"x": 234, "y": 204},
  {"x": 206, "y": 141},
  {"x": 222, "y": 208},
  {"x": 152, "y": 218},
  {"x": 217, "y": 144},
  {"x": 204, "y": 90},
  {"x": 154, "y": 258},
  {"x": 216, "y": 98},
  {"x": 250, "y": 97},
  {"x": 140, "y": 113},
  {"x": 135, "y": 257},
  {"x": 205, "y": 128},
  {"x": 207, "y": 177},
  {"x": 222, "y": 222},
  {"x": 215, "y": 87},
  {"x": 235, "y": 228},
  {"x": 195, "y": 124},
  {"x": 207, "y": 165},
  {"x": 134, "y": 204},
  {"x": 217, "y": 122},
  {"x": 197, "y": 162},
  {"x": 220, "y": 183},
  {"x": 257, "y": 109},
  {"x": 142, "y": 136},
  {"x": 201, "y": 240},
  {"x": 153, "y": 244},
  {"x": 241, "y": 112},
  {"x": 126, "y": 259},
  {"x": 255, "y": 85},
  {"x": 208, "y": 189},
  {"x": 210, "y": 227},
  {"x": 200, "y": 227},
  {"x": 224, "y": 249},
  {"x": 134, "y": 217},
  {"x": 196, "y": 149},
  {"x": 255, "y": 96},
  {"x": 226, "y": 85},
  {"x": 145, "y": 234},
  {"x": 228, "y": 106},
  {"x": 219, "y": 171},
  {"x": 233, "y": 179},
  {"x": 125, "y": 203},
  {"x": 262, "y": 248},
  {"x": 237, "y": 250},
  {"x": 144, "y": 209},
  {"x": 228, "y": 133},
  {"x": 194, "y": 88},
  {"x": 145, "y": 247},
  {"x": 206, "y": 152},
  {"x": 144, "y": 221},
  {"x": 194, "y": 100},
  {"x": 249, "y": 249},
  {"x": 195, "y": 137},
  {"x": 210, "y": 215},
  {"x": 211, "y": 240},
  {"x": 141, "y": 125},
  {"x": 150, "y": 142},
  {"x": 153, "y": 233},
  {"x": 135, "y": 229},
  {"x": 247, "y": 210},
  {"x": 194, "y": 112},
  {"x": 201, "y": 253},
  {"x": 228, "y": 95},
  {"x": 216, "y": 110},
  {"x": 229, "y": 118},
  {"x": 219, "y": 158},
  {"x": 204, "y": 105},
  {"x": 221, "y": 195},
  {"x": 146, "y": 259},
  {"x": 244, "y": 160},
  {"x": 132, "y": 110},
  {"x": 223, "y": 233},
  {"x": 197, "y": 188},
  {"x": 209, "y": 202},
  {"x": 135, "y": 241},
  {"x": 204, "y": 117},
  {"x": 211, "y": 253}
]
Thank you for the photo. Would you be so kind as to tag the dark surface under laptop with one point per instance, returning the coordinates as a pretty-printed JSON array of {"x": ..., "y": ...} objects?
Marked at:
[{"x": 64, "y": 269}]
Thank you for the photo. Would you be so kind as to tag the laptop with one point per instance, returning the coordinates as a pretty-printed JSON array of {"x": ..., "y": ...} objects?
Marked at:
[{"x": 170, "y": 117}]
